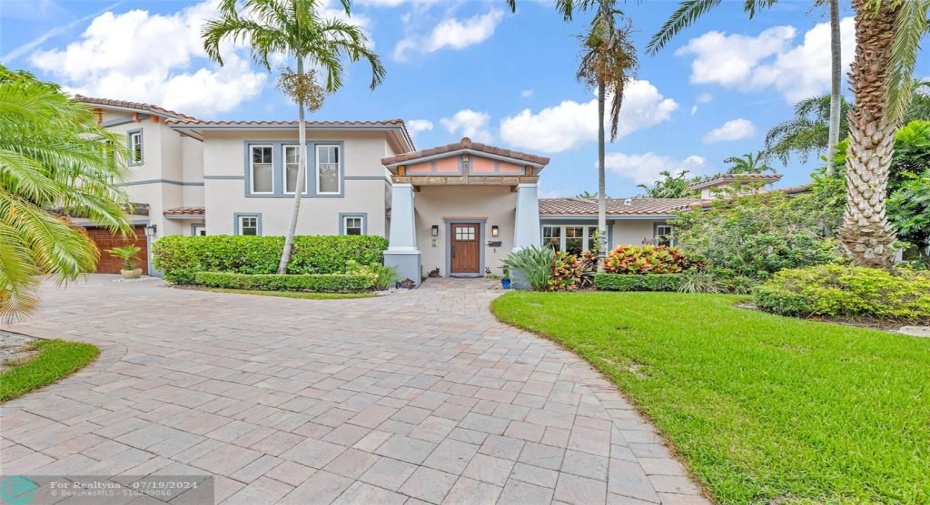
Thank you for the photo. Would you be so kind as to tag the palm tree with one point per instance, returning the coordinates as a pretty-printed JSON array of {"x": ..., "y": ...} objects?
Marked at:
[
  {"x": 608, "y": 61},
  {"x": 888, "y": 34},
  {"x": 748, "y": 163},
  {"x": 836, "y": 78},
  {"x": 53, "y": 155},
  {"x": 807, "y": 132},
  {"x": 294, "y": 28},
  {"x": 669, "y": 186}
]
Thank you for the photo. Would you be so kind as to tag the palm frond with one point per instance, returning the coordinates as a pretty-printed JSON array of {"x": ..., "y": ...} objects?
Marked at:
[
  {"x": 911, "y": 25},
  {"x": 687, "y": 13}
]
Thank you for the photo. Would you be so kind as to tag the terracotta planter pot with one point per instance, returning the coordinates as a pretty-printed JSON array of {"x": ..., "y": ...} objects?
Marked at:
[{"x": 131, "y": 274}]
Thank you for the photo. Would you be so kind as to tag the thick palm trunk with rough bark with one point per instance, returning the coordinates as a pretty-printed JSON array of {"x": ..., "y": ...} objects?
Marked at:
[
  {"x": 836, "y": 77},
  {"x": 300, "y": 183},
  {"x": 601, "y": 181},
  {"x": 865, "y": 234}
]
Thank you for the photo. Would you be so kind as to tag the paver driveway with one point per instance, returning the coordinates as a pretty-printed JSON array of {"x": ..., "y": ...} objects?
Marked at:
[{"x": 419, "y": 397}]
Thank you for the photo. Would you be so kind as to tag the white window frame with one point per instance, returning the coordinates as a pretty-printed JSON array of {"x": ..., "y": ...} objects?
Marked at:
[
  {"x": 133, "y": 135},
  {"x": 284, "y": 149},
  {"x": 656, "y": 234},
  {"x": 240, "y": 225},
  {"x": 252, "y": 169},
  {"x": 563, "y": 240},
  {"x": 345, "y": 224},
  {"x": 316, "y": 163},
  {"x": 195, "y": 229}
]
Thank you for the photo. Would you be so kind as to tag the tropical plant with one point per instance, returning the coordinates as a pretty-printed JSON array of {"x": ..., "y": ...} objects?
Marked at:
[
  {"x": 909, "y": 212},
  {"x": 888, "y": 34},
  {"x": 385, "y": 276},
  {"x": 748, "y": 163},
  {"x": 587, "y": 195},
  {"x": 608, "y": 62},
  {"x": 294, "y": 28},
  {"x": 127, "y": 255},
  {"x": 647, "y": 259},
  {"x": 808, "y": 132},
  {"x": 53, "y": 155},
  {"x": 572, "y": 271},
  {"x": 670, "y": 186},
  {"x": 533, "y": 264}
]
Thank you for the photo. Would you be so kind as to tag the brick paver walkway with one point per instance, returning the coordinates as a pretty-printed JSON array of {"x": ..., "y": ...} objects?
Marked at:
[{"x": 411, "y": 398}]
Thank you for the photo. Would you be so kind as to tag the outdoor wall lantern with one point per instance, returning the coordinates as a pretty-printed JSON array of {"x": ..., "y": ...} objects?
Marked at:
[
  {"x": 495, "y": 231},
  {"x": 435, "y": 230},
  {"x": 151, "y": 230}
]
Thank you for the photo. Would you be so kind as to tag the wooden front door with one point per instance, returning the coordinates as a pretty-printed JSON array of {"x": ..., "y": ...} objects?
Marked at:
[{"x": 465, "y": 248}]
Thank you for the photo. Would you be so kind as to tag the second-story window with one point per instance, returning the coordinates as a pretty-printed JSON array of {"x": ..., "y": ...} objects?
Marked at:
[
  {"x": 135, "y": 147},
  {"x": 291, "y": 169},
  {"x": 327, "y": 169},
  {"x": 262, "y": 169}
]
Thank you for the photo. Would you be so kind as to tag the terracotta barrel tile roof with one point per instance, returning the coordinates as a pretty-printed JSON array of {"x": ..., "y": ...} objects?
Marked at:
[
  {"x": 185, "y": 211},
  {"x": 145, "y": 107},
  {"x": 615, "y": 206},
  {"x": 465, "y": 143}
]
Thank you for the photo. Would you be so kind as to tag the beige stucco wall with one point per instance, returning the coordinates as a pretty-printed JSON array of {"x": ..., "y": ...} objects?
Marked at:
[
  {"x": 434, "y": 204},
  {"x": 633, "y": 231},
  {"x": 363, "y": 184}
]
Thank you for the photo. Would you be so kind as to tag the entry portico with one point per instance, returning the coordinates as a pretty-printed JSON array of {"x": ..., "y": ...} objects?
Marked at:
[{"x": 461, "y": 208}]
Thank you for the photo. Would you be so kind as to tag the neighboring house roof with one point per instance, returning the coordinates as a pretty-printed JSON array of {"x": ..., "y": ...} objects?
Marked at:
[
  {"x": 616, "y": 206},
  {"x": 729, "y": 178},
  {"x": 465, "y": 145},
  {"x": 141, "y": 107},
  {"x": 185, "y": 211}
]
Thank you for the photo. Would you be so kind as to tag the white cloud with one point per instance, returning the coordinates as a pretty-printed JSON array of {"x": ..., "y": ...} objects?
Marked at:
[
  {"x": 451, "y": 33},
  {"x": 734, "y": 129},
  {"x": 419, "y": 125},
  {"x": 770, "y": 59},
  {"x": 568, "y": 124},
  {"x": 704, "y": 98},
  {"x": 644, "y": 168},
  {"x": 469, "y": 123},
  {"x": 155, "y": 58},
  {"x": 694, "y": 109},
  {"x": 526, "y": 93}
]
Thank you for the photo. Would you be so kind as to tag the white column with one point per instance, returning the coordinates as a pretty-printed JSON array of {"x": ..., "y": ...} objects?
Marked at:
[
  {"x": 403, "y": 223},
  {"x": 526, "y": 230},
  {"x": 402, "y": 253}
]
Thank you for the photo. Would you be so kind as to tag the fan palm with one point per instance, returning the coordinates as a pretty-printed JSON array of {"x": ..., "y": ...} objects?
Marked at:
[
  {"x": 748, "y": 163},
  {"x": 53, "y": 155},
  {"x": 294, "y": 28},
  {"x": 888, "y": 34},
  {"x": 608, "y": 61}
]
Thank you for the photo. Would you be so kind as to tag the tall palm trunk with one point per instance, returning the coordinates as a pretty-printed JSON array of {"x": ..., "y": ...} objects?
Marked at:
[
  {"x": 836, "y": 79},
  {"x": 865, "y": 234},
  {"x": 601, "y": 180},
  {"x": 301, "y": 180}
]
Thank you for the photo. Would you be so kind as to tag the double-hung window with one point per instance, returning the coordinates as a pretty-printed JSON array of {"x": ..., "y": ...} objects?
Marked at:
[
  {"x": 571, "y": 239},
  {"x": 261, "y": 169},
  {"x": 663, "y": 234},
  {"x": 135, "y": 147},
  {"x": 292, "y": 169},
  {"x": 247, "y": 224},
  {"x": 327, "y": 170},
  {"x": 352, "y": 225}
]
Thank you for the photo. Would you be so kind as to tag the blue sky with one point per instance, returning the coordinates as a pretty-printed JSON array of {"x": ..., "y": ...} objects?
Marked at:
[{"x": 471, "y": 68}]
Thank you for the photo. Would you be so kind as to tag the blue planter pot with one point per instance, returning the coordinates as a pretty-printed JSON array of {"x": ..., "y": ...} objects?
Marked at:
[{"x": 505, "y": 283}]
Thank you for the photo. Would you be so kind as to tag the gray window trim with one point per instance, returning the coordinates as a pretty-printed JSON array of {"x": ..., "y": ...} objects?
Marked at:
[
  {"x": 564, "y": 223},
  {"x": 278, "y": 168},
  {"x": 194, "y": 228},
  {"x": 132, "y": 162},
  {"x": 238, "y": 215},
  {"x": 284, "y": 190},
  {"x": 655, "y": 232},
  {"x": 316, "y": 168},
  {"x": 344, "y": 215},
  {"x": 482, "y": 245},
  {"x": 250, "y": 173}
]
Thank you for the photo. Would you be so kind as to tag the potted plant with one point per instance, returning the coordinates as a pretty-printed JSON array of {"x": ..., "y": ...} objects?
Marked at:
[
  {"x": 127, "y": 254},
  {"x": 505, "y": 280}
]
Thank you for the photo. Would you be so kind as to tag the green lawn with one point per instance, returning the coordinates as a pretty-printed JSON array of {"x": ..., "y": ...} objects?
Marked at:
[
  {"x": 289, "y": 294},
  {"x": 56, "y": 359},
  {"x": 764, "y": 409}
]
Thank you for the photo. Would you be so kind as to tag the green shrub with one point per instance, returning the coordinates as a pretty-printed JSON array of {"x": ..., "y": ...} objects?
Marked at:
[
  {"x": 384, "y": 276},
  {"x": 532, "y": 265},
  {"x": 648, "y": 282},
  {"x": 572, "y": 271},
  {"x": 847, "y": 292},
  {"x": 647, "y": 259},
  {"x": 180, "y": 257},
  {"x": 287, "y": 282}
]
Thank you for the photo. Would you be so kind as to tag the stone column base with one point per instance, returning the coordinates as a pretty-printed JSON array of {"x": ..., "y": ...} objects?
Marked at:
[{"x": 407, "y": 264}]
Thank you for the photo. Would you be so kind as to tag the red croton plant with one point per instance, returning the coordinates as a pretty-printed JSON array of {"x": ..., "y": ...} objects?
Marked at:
[{"x": 648, "y": 259}]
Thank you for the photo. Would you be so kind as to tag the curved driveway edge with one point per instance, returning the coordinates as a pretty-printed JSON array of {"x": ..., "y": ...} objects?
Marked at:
[{"x": 413, "y": 398}]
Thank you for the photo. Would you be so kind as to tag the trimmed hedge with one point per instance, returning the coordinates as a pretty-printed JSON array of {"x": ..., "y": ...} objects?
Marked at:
[
  {"x": 329, "y": 283},
  {"x": 180, "y": 257},
  {"x": 846, "y": 292},
  {"x": 646, "y": 282}
]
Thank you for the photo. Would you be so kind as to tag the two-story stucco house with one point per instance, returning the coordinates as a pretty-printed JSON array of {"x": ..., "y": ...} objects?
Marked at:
[{"x": 460, "y": 208}]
